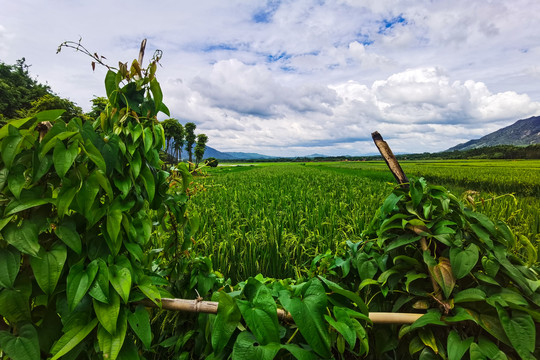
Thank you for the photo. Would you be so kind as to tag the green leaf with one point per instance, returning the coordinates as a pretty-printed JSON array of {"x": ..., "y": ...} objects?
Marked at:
[
  {"x": 148, "y": 139},
  {"x": 490, "y": 350},
  {"x": 23, "y": 237},
  {"x": 78, "y": 282},
  {"x": 47, "y": 267},
  {"x": 107, "y": 314},
  {"x": 299, "y": 353},
  {"x": 247, "y": 347},
  {"x": 4, "y": 131},
  {"x": 348, "y": 294},
  {"x": 469, "y": 295},
  {"x": 121, "y": 281},
  {"x": 24, "y": 204},
  {"x": 463, "y": 261},
  {"x": 15, "y": 302},
  {"x": 94, "y": 155},
  {"x": 46, "y": 146},
  {"x": 67, "y": 232},
  {"x": 114, "y": 221},
  {"x": 72, "y": 338},
  {"x": 23, "y": 346},
  {"x": 135, "y": 164},
  {"x": 390, "y": 203},
  {"x": 344, "y": 328},
  {"x": 520, "y": 330},
  {"x": 111, "y": 344},
  {"x": 3, "y": 178},
  {"x": 100, "y": 287},
  {"x": 139, "y": 321},
  {"x": 65, "y": 197},
  {"x": 149, "y": 289},
  {"x": 149, "y": 183},
  {"x": 123, "y": 184},
  {"x": 228, "y": 317},
  {"x": 16, "y": 180},
  {"x": 156, "y": 92},
  {"x": 260, "y": 312},
  {"x": 110, "y": 83},
  {"x": 457, "y": 347},
  {"x": 402, "y": 240},
  {"x": 442, "y": 273},
  {"x": 63, "y": 158},
  {"x": 432, "y": 317},
  {"x": 10, "y": 263},
  {"x": 308, "y": 313},
  {"x": 10, "y": 146}
]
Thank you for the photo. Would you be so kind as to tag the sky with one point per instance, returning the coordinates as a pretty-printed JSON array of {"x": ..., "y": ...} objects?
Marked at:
[{"x": 294, "y": 78}]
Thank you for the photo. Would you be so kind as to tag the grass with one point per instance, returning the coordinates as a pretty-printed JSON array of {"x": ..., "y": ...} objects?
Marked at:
[{"x": 274, "y": 218}]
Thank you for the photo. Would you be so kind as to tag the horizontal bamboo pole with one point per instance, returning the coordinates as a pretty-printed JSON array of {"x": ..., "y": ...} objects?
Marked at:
[{"x": 211, "y": 307}]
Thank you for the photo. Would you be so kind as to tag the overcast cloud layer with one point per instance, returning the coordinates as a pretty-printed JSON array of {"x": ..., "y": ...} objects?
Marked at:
[{"x": 294, "y": 78}]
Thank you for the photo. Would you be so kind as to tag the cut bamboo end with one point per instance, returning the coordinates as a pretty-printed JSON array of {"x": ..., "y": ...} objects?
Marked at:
[{"x": 211, "y": 307}]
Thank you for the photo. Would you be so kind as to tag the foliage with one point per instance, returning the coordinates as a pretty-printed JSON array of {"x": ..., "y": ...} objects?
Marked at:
[
  {"x": 425, "y": 250},
  {"x": 99, "y": 103},
  {"x": 200, "y": 147},
  {"x": 18, "y": 89},
  {"x": 212, "y": 162},
  {"x": 78, "y": 208},
  {"x": 174, "y": 137},
  {"x": 190, "y": 139},
  {"x": 52, "y": 102}
]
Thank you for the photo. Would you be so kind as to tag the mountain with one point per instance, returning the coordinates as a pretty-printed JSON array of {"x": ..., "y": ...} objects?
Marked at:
[{"x": 522, "y": 132}]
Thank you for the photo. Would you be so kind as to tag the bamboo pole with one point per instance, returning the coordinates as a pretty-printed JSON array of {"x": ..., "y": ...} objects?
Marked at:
[
  {"x": 211, "y": 307},
  {"x": 390, "y": 160}
]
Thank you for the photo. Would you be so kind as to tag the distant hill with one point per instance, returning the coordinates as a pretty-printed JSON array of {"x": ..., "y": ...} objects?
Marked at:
[{"x": 521, "y": 133}]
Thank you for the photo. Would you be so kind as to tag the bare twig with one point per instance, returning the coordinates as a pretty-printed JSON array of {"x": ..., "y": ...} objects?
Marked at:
[{"x": 390, "y": 160}]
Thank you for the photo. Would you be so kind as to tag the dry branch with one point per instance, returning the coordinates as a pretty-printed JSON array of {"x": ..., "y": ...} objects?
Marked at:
[{"x": 390, "y": 159}]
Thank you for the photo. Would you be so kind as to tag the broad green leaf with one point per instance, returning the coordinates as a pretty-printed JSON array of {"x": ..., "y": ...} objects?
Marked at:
[
  {"x": 432, "y": 317},
  {"x": 348, "y": 294},
  {"x": 149, "y": 289},
  {"x": 48, "y": 144},
  {"x": 228, "y": 317},
  {"x": 136, "y": 164},
  {"x": 79, "y": 281},
  {"x": 247, "y": 347},
  {"x": 490, "y": 350},
  {"x": 260, "y": 312},
  {"x": 94, "y": 155},
  {"x": 104, "y": 182},
  {"x": 47, "y": 267},
  {"x": 67, "y": 232},
  {"x": 520, "y": 329},
  {"x": 23, "y": 237},
  {"x": 10, "y": 146},
  {"x": 456, "y": 347},
  {"x": 344, "y": 329},
  {"x": 299, "y": 353},
  {"x": 469, "y": 295},
  {"x": 114, "y": 221},
  {"x": 308, "y": 313},
  {"x": 100, "y": 287},
  {"x": 402, "y": 240},
  {"x": 16, "y": 180},
  {"x": 63, "y": 158},
  {"x": 123, "y": 184},
  {"x": 111, "y": 84},
  {"x": 4, "y": 131},
  {"x": 10, "y": 262},
  {"x": 24, "y": 204},
  {"x": 107, "y": 314},
  {"x": 390, "y": 203},
  {"x": 463, "y": 261},
  {"x": 15, "y": 302},
  {"x": 111, "y": 344},
  {"x": 4, "y": 172},
  {"x": 72, "y": 338},
  {"x": 139, "y": 321},
  {"x": 149, "y": 182},
  {"x": 23, "y": 346},
  {"x": 88, "y": 193},
  {"x": 121, "y": 281},
  {"x": 156, "y": 92},
  {"x": 65, "y": 197},
  {"x": 148, "y": 139},
  {"x": 427, "y": 337}
]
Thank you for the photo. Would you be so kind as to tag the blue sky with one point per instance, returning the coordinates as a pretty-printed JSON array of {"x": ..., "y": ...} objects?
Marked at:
[{"x": 300, "y": 77}]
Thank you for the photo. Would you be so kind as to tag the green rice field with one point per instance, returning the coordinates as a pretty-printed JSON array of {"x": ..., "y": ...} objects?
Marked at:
[{"x": 275, "y": 218}]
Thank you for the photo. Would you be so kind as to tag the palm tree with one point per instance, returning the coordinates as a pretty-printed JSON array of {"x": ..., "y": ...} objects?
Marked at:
[{"x": 202, "y": 139}]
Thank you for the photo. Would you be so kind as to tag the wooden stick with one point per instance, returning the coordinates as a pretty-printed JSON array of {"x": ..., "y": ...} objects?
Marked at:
[
  {"x": 211, "y": 307},
  {"x": 390, "y": 160}
]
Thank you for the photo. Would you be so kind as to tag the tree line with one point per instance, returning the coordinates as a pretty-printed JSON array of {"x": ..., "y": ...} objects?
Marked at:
[{"x": 178, "y": 138}]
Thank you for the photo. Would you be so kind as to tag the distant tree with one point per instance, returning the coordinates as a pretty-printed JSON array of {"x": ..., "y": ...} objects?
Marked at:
[
  {"x": 98, "y": 106},
  {"x": 212, "y": 162},
  {"x": 51, "y": 102},
  {"x": 202, "y": 139},
  {"x": 17, "y": 89},
  {"x": 174, "y": 137},
  {"x": 190, "y": 139}
]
